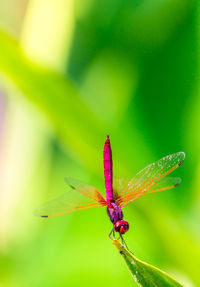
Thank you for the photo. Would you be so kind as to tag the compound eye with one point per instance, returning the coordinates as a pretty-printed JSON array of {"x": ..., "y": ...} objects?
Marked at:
[
  {"x": 124, "y": 228},
  {"x": 118, "y": 225},
  {"x": 121, "y": 226}
]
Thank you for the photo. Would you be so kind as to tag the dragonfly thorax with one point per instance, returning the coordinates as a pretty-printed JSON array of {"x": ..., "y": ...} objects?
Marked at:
[{"x": 114, "y": 212}]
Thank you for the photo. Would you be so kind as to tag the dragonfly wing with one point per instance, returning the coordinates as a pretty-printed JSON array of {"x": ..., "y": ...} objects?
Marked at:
[
  {"x": 165, "y": 184},
  {"x": 146, "y": 181},
  {"x": 84, "y": 188},
  {"x": 81, "y": 196},
  {"x": 119, "y": 185},
  {"x": 74, "y": 183}
]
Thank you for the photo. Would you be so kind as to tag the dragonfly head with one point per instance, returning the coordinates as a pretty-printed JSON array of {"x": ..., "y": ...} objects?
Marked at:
[{"x": 121, "y": 226}]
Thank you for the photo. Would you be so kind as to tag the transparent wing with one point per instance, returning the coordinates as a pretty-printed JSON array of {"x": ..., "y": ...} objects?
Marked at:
[
  {"x": 148, "y": 179},
  {"x": 166, "y": 183},
  {"x": 120, "y": 184},
  {"x": 81, "y": 196}
]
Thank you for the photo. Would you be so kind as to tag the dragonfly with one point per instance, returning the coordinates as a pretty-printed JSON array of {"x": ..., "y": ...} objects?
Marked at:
[{"x": 119, "y": 192}]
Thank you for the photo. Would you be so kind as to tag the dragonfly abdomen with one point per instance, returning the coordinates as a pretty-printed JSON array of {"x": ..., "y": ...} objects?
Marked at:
[{"x": 108, "y": 171}]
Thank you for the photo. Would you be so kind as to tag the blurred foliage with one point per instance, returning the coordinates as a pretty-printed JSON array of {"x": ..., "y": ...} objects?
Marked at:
[{"x": 132, "y": 72}]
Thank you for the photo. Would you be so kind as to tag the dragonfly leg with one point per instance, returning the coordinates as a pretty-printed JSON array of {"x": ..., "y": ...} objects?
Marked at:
[
  {"x": 124, "y": 242},
  {"x": 112, "y": 234}
]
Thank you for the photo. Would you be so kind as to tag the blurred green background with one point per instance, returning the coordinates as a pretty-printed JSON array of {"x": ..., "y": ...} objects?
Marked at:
[{"x": 71, "y": 72}]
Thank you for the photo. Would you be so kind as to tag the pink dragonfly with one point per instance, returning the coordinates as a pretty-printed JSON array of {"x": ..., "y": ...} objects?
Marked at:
[{"x": 119, "y": 192}]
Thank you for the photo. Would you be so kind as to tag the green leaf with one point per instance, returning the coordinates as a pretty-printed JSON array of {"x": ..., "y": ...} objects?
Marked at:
[{"x": 145, "y": 274}]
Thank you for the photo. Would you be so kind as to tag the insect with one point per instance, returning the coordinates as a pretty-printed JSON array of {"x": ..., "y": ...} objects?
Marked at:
[{"x": 119, "y": 193}]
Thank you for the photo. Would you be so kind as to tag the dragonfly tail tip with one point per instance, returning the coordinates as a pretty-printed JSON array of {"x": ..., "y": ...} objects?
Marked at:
[{"x": 107, "y": 139}]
